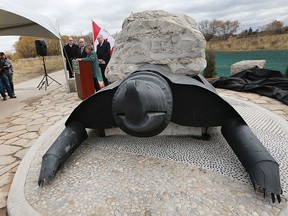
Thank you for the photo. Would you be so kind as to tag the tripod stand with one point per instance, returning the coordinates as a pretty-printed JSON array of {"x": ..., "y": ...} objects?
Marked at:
[{"x": 44, "y": 82}]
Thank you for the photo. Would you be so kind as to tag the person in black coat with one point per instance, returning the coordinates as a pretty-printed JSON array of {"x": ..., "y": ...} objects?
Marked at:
[
  {"x": 70, "y": 52},
  {"x": 81, "y": 51},
  {"x": 8, "y": 69},
  {"x": 103, "y": 53},
  {"x": 4, "y": 83}
]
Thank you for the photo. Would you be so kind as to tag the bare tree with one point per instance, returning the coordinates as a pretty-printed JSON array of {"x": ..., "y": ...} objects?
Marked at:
[
  {"x": 25, "y": 47},
  {"x": 218, "y": 27},
  {"x": 209, "y": 28},
  {"x": 275, "y": 27},
  {"x": 228, "y": 28}
]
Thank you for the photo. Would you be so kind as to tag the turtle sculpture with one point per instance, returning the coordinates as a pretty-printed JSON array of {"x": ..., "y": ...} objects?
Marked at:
[{"x": 145, "y": 102}]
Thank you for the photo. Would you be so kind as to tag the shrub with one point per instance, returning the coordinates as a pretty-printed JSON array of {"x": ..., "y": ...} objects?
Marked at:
[
  {"x": 286, "y": 71},
  {"x": 210, "y": 70}
]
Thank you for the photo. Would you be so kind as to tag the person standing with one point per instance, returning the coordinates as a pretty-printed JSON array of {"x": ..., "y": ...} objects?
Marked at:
[
  {"x": 8, "y": 69},
  {"x": 70, "y": 52},
  {"x": 92, "y": 57},
  {"x": 103, "y": 53},
  {"x": 2, "y": 91},
  {"x": 4, "y": 83},
  {"x": 81, "y": 51}
]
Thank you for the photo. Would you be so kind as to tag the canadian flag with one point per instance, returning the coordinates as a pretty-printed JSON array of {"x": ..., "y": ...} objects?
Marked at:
[{"x": 96, "y": 31}]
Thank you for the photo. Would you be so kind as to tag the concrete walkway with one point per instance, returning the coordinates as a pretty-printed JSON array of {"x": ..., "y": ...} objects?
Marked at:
[
  {"x": 34, "y": 111},
  {"x": 27, "y": 91}
]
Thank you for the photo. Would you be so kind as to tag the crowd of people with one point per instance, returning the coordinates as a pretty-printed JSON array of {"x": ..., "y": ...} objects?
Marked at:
[
  {"x": 85, "y": 52},
  {"x": 6, "y": 77},
  {"x": 72, "y": 50}
]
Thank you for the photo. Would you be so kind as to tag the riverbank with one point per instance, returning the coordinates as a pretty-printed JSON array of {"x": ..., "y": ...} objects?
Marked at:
[{"x": 252, "y": 43}]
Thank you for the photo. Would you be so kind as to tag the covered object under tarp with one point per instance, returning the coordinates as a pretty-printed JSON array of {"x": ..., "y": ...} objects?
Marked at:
[
  {"x": 264, "y": 82},
  {"x": 15, "y": 20}
]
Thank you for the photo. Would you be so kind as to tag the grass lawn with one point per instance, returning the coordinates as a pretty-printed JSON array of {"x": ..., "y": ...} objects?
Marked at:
[{"x": 25, "y": 69}]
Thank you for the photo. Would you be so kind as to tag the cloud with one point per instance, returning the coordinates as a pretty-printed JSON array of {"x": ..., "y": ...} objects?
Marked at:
[
  {"x": 74, "y": 17},
  {"x": 7, "y": 42}
]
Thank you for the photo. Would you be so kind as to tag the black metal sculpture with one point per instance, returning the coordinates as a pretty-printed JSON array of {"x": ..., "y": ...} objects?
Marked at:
[{"x": 145, "y": 102}]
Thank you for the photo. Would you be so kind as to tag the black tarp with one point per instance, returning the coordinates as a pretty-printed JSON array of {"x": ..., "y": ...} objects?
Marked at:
[{"x": 264, "y": 82}]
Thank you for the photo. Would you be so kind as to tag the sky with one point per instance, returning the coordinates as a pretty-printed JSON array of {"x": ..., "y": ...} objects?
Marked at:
[{"x": 74, "y": 17}]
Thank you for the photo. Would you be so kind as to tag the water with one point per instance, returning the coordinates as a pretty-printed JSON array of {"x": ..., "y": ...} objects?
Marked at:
[{"x": 275, "y": 59}]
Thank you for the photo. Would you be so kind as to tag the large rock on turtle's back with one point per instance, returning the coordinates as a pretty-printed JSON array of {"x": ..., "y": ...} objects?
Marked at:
[{"x": 157, "y": 37}]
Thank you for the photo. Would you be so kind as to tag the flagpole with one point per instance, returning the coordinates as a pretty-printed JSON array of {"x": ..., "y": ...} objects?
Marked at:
[
  {"x": 106, "y": 36},
  {"x": 92, "y": 34}
]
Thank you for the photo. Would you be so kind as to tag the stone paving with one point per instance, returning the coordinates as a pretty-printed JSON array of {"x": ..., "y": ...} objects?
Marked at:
[
  {"x": 266, "y": 102},
  {"x": 21, "y": 129}
]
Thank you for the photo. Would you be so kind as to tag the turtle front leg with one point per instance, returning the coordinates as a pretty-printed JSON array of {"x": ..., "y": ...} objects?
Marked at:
[
  {"x": 261, "y": 166},
  {"x": 66, "y": 143}
]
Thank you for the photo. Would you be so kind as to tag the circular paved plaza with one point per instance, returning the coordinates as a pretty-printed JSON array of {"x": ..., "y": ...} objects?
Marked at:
[{"x": 162, "y": 175}]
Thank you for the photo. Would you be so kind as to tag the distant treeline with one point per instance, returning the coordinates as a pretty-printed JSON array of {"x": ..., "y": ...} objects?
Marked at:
[
  {"x": 25, "y": 46},
  {"x": 260, "y": 42},
  {"x": 223, "y": 30}
]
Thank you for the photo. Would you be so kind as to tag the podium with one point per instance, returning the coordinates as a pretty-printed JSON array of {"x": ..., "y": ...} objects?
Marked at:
[{"x": 84, "y": 78}]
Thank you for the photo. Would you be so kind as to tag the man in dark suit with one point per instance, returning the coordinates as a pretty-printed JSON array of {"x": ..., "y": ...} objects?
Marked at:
[
  {"x": 103, "y": 53},
  {"x": 70, "y": 52},
  {"x": 81, "y": 51}
]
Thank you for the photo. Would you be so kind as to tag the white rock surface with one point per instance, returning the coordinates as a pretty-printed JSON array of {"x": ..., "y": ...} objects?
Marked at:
[
  {"x": 246, "y": 64},
  {"x": 157, "y": 37}
]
